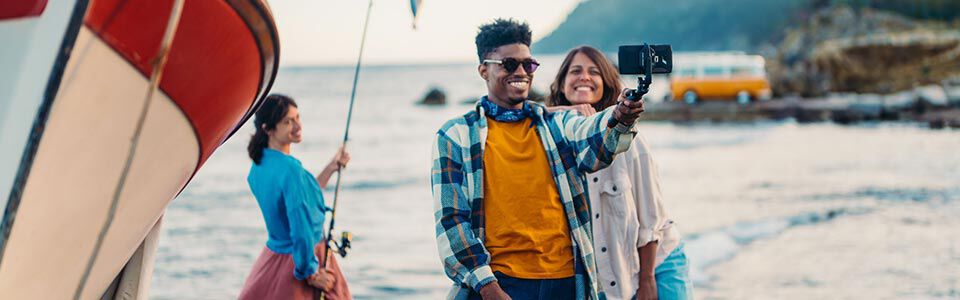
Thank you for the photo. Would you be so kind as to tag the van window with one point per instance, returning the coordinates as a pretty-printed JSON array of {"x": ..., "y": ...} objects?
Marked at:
[
  {"x": 686, "y": 72},
  {"x": 712, "y": 71},
  {"x": 744, "y": 71}
]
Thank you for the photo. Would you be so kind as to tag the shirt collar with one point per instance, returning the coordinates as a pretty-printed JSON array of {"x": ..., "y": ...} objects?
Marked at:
[{"x": 502, "y": 114}]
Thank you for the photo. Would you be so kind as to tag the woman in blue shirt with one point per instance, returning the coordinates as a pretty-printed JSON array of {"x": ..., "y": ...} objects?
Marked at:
[{"x": 293, "y": 210}]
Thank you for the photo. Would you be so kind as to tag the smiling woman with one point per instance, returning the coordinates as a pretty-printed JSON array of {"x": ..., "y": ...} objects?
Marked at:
[
  {"x": 585, "y": 72},
  {"x": 291, "y": 265},
  {"x": 641, "y": 256}
]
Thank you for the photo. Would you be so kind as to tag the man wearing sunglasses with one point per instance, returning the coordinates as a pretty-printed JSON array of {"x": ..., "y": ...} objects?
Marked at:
[{"x": 512, "y": 217}]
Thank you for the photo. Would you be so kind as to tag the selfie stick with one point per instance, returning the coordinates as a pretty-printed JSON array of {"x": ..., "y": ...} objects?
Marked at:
[
  {"x": 346, "y": 136},
  {"x": 643, "y": 83}
]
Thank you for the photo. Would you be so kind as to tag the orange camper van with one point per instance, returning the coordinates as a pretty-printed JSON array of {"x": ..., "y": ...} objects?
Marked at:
[{"x": 719, "y": 76}]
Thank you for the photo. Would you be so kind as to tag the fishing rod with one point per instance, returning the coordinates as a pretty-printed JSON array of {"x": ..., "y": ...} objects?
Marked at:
[{"x": 346, "y": 237}]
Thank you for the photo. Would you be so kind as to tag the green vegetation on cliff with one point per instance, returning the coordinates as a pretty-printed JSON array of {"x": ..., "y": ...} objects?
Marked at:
[
  {"x": 688, "y": 25},
  {"x": 708, "y": 25}
]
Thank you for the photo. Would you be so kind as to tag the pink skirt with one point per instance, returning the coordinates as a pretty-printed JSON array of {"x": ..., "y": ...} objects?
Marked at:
[{"x": 272, "y": 278}]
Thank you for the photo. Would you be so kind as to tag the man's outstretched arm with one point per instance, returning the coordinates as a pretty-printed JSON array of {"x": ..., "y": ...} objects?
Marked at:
[{"x": 594, "y": 142}]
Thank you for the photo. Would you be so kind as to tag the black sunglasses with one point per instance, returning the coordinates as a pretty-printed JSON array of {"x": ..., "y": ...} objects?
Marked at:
[{"x": 511, "y": 64}]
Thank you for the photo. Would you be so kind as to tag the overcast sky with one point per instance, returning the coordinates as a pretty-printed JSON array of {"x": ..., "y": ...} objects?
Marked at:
[{"x": 327, "y": 32}]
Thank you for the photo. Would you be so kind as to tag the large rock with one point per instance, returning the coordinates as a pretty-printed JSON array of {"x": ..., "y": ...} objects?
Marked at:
[
  {"x": 435, "y": 96},
  {"x": 864, "y": 51}
]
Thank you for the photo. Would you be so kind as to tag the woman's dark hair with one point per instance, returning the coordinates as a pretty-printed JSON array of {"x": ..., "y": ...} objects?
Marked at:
[
  {"x": 609, "y": 74},
  {"x": 271, "y": 112},
  {"x": 501, "y": 32}
]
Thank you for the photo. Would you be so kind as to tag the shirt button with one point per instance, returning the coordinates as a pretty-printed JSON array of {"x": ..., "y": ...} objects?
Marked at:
[
  {"x": 598, "y": 215},
  {"x": 604, "y": 249},
  {"x": 595, "y": 179},
  {"x": 613, "y": 283}
]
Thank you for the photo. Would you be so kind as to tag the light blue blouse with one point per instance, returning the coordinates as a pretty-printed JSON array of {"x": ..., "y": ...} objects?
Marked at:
[{"x": 292, "y": 207}]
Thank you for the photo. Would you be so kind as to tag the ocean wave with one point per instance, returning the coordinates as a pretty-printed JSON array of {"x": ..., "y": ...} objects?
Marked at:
[
  {"x": 709, "y": 248},
  {"x": 378, "y": 184},
  {"x": 921, "y": 194}
]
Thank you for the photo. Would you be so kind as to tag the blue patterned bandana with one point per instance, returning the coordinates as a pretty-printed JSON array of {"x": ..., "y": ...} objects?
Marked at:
[{"x": 501, "y": 114}]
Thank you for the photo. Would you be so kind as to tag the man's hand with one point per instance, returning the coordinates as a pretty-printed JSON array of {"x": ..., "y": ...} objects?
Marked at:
[
  {"x": 627, "y": 111},
  {"x": 323, "y": 280},
  {"x": 492, "y": 291},
  {"x": 647, "y": 289}
]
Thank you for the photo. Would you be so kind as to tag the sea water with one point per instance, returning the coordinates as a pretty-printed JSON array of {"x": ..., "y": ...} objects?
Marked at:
[{"x": 769, "y": 210}]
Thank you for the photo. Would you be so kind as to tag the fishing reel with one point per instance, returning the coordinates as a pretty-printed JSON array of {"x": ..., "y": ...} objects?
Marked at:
[{"x": 344, "y": 244}]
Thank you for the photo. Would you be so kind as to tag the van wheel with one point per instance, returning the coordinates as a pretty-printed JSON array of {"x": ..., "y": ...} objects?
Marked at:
[
  {"x": 743, "y": 97},
  {"x": 690, "y": 97}
]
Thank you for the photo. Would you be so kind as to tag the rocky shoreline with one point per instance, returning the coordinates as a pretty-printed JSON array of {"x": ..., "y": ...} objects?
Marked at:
[
  {"x": 850, "y": 109},
  {"x": 931, "y": 105}
]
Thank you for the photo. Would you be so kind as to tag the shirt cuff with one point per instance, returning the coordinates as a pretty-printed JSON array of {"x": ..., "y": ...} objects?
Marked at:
[
  {"x": 304, "y": 274},
  {"x": 623, "y": 128},
  {"x": 625, "y": 136},
  {"x": 647, "y": 236},
  {"x": 480, "y": 277}
]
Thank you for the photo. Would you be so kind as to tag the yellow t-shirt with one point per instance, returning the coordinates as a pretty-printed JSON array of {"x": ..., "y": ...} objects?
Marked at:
[{"x": 527, "y": 233}]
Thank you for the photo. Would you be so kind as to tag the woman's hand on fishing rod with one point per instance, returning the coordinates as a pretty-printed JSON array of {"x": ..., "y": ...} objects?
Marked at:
[
  {"x": 323, "y": 280},
  {"x": 339, "y": 161}
]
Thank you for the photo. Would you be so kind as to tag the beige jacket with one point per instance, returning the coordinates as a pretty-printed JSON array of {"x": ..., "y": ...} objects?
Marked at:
[{"x": 628, "y": 213}]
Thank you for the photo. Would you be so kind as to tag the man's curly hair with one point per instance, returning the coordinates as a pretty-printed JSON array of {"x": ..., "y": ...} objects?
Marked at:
[{"x": 501, "y": 32}]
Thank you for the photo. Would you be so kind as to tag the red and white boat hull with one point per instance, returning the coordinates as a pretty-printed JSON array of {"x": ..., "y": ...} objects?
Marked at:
[{"x": 221, "y": 64}]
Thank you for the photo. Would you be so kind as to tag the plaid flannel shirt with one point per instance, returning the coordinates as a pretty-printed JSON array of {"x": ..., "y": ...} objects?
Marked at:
[{"x": 574, "y": 145}]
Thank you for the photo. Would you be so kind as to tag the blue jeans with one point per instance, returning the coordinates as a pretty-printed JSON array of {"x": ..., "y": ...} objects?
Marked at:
[
  {"x": 673, "y": 277},
  {"x": 534, "y": 289}
]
